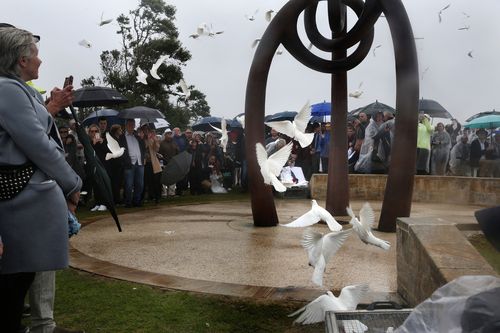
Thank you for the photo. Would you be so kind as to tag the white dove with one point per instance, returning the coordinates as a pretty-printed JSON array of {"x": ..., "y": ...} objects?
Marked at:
[
  {"x": 269, "y": 15},
  {"x": 270, "y": 167},
  {"x": 296, "y": 129},
  {"x": 348, "y": 300},
  {"x": 251, "y": 17},
  {"x": 223, "y": 131},
  {"x": 210, "y": 30},
  {"x": 154, "y": 69},
  {"x": 313, "y": 216},
  {"x": 363, "y": 226},
  {"x": 441, "y": 11},
  {"x": 376, "y": 47},
  {"x": 200, "y": 31},
  {"x": 85, "y": 43},
  {"x": 141, "y": 76},
  {"x": 320, "y": 248},
  {"x": 241, "y": 120},
  {"x": 358, "y": 92},
  {"x": 185, "y": 89},
  {"x": 104, "y": 22},
  {"x": 114, "y": 148}
]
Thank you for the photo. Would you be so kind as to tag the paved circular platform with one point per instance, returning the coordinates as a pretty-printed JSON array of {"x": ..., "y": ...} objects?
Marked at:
[{"x": 214, "y": 248}]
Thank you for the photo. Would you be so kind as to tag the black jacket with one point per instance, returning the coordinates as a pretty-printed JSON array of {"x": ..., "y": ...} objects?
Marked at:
[{"x": 127, "y": 163}]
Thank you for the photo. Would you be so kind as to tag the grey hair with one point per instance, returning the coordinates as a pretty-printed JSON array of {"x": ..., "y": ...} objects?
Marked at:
[{"x": 14, "y": 43}]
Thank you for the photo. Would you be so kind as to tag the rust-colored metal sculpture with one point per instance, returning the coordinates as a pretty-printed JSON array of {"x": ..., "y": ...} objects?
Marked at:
[{"x": 283, "y": 30}]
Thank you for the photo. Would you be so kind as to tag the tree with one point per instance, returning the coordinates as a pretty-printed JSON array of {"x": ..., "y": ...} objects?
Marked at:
[{"x": 148, "y": 33}]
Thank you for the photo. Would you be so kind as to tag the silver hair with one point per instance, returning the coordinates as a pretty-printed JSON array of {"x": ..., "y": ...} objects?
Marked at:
[{"x": 14, "y": 43}]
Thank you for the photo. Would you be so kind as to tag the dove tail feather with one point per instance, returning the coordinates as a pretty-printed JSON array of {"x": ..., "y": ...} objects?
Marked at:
[{"x": 297, "y": 312}]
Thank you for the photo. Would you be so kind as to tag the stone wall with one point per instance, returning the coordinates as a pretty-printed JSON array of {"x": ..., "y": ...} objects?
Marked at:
[
  {"x": 430, "y": 253},
  {"x": 456, "y": 190}
]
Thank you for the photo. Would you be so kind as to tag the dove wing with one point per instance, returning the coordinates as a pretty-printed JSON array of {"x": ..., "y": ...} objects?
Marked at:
[
  {"x": 332, "y": 243},
  {"x": 278, "y": 186},
  {"x": 366, "y": 216},
  {"x": 314, "y": 312},
  {"x": 328, "y": 218},
  {"x": 261, "y": 154},
  {"x": 113, "y": 145},
  {"x": 350, "y": 296},
  {"x": 305, "y": 220},
  {"x": 302, "y": 118},
  {"x": 215, "y": 128},
  {"x": 277, "y": 160},
  {"x": 223, "y": 125},
  {"x": 286, "y": 127},
  {"x": 184, "y": 88}
]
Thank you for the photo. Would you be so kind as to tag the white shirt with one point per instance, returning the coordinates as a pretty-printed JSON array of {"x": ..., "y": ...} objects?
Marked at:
[{"x": 133, "y": 149}]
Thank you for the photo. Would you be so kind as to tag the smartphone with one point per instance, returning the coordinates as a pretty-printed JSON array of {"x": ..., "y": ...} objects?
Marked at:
[
  {"x": 68, "y": 81},
  {"x": 98, "y": 135}
]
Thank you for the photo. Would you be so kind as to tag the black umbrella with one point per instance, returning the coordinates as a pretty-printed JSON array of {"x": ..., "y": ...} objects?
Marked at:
[
  {"x": 204, "y": 123},
  {"x": 433, "y": 109},
  {"x": 176, "y": 169},
  {"x": 482, "y": 114},
  {"x": 281, "y": 116},
  {"x": 372, "y": 109},
  {"x": 142, "y": 112},
  {"x": 110, "y": 115},
  {"x": 97, "y": 96},
  {"x": 97, "y": 171}
]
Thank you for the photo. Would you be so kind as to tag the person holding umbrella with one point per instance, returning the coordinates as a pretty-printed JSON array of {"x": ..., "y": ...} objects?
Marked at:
[{"x": 49, "y": 187}]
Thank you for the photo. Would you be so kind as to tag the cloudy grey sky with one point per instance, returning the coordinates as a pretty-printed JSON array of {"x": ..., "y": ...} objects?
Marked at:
[{"x": 219, "y": 65}]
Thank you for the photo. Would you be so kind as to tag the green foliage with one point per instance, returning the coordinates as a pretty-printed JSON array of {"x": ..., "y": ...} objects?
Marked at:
[{"x": 147, "y": 33}]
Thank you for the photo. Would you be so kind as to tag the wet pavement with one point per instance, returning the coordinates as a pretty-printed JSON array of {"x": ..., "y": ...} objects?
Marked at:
[{"x": 214, "y": 248}]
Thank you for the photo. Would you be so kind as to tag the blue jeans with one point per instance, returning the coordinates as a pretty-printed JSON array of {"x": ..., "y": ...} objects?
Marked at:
[
  {"x": 41, "y": 294},
  {"x": 134, "y": 184}
]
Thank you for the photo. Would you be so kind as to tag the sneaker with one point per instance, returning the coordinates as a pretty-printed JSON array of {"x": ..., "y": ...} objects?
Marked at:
[
  {"x": 95, "y": 208},
  {"x": 102, "y": 208}
]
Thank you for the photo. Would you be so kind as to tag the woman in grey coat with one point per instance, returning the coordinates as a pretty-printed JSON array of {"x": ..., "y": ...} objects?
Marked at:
[{"x": 34, "y": 222}]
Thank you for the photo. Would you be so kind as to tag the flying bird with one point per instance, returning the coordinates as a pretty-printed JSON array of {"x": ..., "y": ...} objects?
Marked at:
[
  {"x": 441, "y": 11},
  {"x": 423, "y": 73},
  {"x": 296, "y": 129},
  {"x": 223, "y": 131},
  {"x": 376, "y": 47},
  {"x": 279, "y": 51},
  {"x": 85, "y": 43},
  {"x": 104, "y": 22},
  {"x": 470, "y": 54},
  {"x": 315, "y": 311},
  {"x": 363, "y": 226},
  {"x": 466, "y": 27},
  {"x": 200, "y": 31},
  {"x": 269, "y": 15},
  {"x": 184, "y": 88},
  {"x": 209, "y": 30},
  {"x": 156, "y": 65},
  {"x": 313, "y": 216},
  {"x": 270, "y": 167},
  {"x": 466, "y": 15},
  {"x": 357, "y": 93},
  {"x": 320, "y": 248},
  {"x": 141, "y": 76},
  {"x": 114, "y": 148},
  {"x": 251, "y": 17}
]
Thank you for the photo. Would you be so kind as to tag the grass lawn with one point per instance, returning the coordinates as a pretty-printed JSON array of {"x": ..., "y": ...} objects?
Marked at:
[
  {"x": 98, "y": 304},
  {"x": 487, "y": 250}
]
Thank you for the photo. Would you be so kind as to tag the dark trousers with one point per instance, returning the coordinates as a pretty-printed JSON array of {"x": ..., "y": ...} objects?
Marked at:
[
  {"x": 152, "y": 182},
  {"x": 13, "y": 289}
]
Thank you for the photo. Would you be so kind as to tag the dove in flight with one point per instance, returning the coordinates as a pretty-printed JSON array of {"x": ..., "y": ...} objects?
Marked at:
[
  {"x": 442, "y": 10},
  {"x": 423, "y": 73},
  {"x": 465, "y": 27},
  {"x": 270, "y": 167},
  {"x": 269, "y": 15},
  {"x": 296, "y": 129},
  {"x": 279, "y": 52},
  {"x": 141, "y": 76},
  {"x": 200, "y": 31},
  {"x": 184, "y": 88},
  {"x": 223, "y": 131},
  {"x": 114, "y": 148},
  {"x": 209, "y": 30},
  {"x": 251, "y": 17},
  {"x": 348, "y": 300},
  {"x": 357, "y": 93},
  {"x": 104, "y": 22},
  {"x": 470, "y": 54},
  {"x": 85, "y": 43},
  {"x": 320, "y": 248},
  {"x": 154, "y": 69},
  {"x": 363, "y": 226},
  {"x": 241, "y": 120},
  {"x": 313, "y": 216},
  {"x": 376, "y": 47}
]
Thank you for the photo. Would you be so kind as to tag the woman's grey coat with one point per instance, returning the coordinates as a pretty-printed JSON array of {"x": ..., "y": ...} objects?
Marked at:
[{"x": 34, "y": 224}]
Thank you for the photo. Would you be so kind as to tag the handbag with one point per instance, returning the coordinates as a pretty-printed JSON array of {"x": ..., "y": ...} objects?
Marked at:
[{"x": 13, "y": 179}]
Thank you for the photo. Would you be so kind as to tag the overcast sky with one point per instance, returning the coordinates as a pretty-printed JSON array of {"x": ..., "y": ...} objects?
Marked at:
[{"x": 219, "y": 66}]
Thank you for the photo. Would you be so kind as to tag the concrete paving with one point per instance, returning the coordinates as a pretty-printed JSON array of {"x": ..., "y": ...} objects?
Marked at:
[{"x": 215, "y": 248}]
